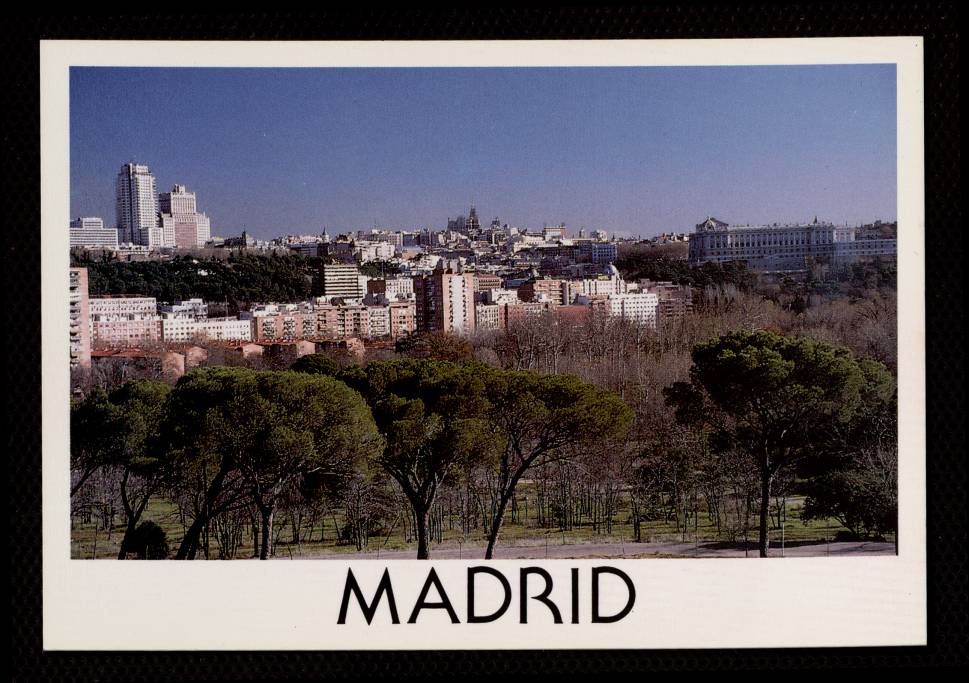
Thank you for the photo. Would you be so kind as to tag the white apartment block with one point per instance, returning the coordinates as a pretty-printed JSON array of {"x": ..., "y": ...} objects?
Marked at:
[
  {"x": 264, "y": 310},
  {"x": 90, "y": 232},
  {"x": 487, "y": 317},
  {"x": 379, "y": 321},
  {"x": 498, "y": 295},
  {"x": 123, "y": 321},
  {"x": 640, "y": 307},
  {"x": 604, "y": 252},
  {"x": 123, "y": 307},
  {"x": 393, "y": 237},
  {"x": 80, "y": 324},
  {"x": 594, "y": 287},
  {"x": 167, "y": 224},
  {"x": 136, "y": 205},
  {"x": 121, "y": 333},
  {"x": 392, "y": 289},
  {"x": 180, "y": 329},
  {"x": 192, "y": 308},
  {"x": 343, "y": 280},
  {"x": 553, "y": 233},
  {"x": 375, "y": 251}
]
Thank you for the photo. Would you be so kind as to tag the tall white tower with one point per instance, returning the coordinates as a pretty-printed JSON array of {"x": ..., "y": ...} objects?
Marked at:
[{"x": 137, "y": 206}]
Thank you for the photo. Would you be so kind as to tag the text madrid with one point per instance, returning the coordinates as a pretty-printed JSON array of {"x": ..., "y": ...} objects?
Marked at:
[{"x": 534, "y": 588}]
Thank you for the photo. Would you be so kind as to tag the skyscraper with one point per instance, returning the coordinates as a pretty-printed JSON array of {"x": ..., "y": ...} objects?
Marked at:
[
  {"x": 182, "y": 225},
  {"x": 445, "y": 301},
  {"x": 137, "y": 206}
]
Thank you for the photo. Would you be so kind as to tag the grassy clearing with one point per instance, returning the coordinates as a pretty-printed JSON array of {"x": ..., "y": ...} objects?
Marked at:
[{"x": 92, "y": 540}]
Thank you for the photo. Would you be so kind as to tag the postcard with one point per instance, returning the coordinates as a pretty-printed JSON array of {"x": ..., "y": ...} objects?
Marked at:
[{"x": 483, "y": 345}]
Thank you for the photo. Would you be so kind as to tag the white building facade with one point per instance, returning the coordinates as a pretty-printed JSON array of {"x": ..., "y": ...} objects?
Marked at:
[
  {"x": 782, "y": 247},
  {"x": 184, "y": 329},
  {"x": 191, "y": 308},
  {"x": 123, "y": 321},
  {"x": 90, "y": 232},
  {"x": 639, "y": 307},
  {"x": 136, "y": 206},
  {"x": 343, "y": 280},
  {"x": 123, "y": 307}
]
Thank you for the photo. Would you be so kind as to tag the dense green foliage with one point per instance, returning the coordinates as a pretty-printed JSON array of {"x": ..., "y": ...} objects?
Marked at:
[
  {"x": 239, "y": 280},
  {"x": 435, "y": 346},
  {"x": 871, "y": 275},
  {"x": 117, "y": 432},
  {"x": 782, "y": 401},
  {"x": 643, "y": 265},
  {"x": 536, "y": 420},
  {"x": 239, "y": 434},
  {"x": 431, "y": 415},
  {"x": 379, "y": 269},
  {"x": 861, "y": 500},
  {"x": 226, "y": 440},
  {"x": 316, "y": 364},
  {"x": 96, "y": 435}
]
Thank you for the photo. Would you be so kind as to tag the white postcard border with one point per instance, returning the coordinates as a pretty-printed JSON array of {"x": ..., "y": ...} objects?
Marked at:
[{"x": 713, "y": 603}]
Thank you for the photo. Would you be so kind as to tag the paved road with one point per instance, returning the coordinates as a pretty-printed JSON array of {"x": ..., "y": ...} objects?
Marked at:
[{"x": 622, "y": 550}]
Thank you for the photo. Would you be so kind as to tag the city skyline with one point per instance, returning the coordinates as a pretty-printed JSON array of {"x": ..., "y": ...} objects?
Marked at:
[{"x": 633, "y": 151}]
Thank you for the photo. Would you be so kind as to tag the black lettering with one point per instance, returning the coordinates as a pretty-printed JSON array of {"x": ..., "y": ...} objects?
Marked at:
[
  {"x": 596, "y": 617},
  {"x": 368, "y": 610},
  {"x": 506, "y": 587},
  {"x": 575, "y": 595},
  {"x": 542, "y": 597},
  {"x": 423, "y": 604}
]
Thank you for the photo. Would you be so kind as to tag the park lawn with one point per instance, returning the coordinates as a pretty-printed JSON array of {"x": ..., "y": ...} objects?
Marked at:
[{"x": 525, "y": 532}]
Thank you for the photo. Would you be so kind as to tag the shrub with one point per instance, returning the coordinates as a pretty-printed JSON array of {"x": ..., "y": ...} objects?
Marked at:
[{"x": 149, "y": 542}]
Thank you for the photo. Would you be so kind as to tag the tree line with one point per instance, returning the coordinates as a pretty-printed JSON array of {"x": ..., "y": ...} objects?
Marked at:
[
  {"x": 420, "y": 442},
  {"x": 225, "y": 439},
  {"x": 237, "y": 281},
  {"x": 647, "y": 262}
]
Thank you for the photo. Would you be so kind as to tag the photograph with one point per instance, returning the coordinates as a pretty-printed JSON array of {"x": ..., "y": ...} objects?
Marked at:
[
  {"x": 498, "y": 313},
  {"x": 556, "y": 323}
]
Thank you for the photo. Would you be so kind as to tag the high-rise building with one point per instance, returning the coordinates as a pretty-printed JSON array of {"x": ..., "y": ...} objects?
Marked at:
[
  {"x": 182, "y": 224},
  {"x": 445, "y": 302},
  {"x": 179, "y": 200},
  {"x": 80, "y": 324},
  {"x": 137, "y": 206},
  {"x": 343, "y": 280}
]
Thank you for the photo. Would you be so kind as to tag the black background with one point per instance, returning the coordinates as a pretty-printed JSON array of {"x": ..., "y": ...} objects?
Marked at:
[{"x": 946, "y": 476}]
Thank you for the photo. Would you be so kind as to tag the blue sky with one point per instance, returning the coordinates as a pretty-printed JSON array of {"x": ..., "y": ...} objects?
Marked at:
[{"x": 628, "y": 150}]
